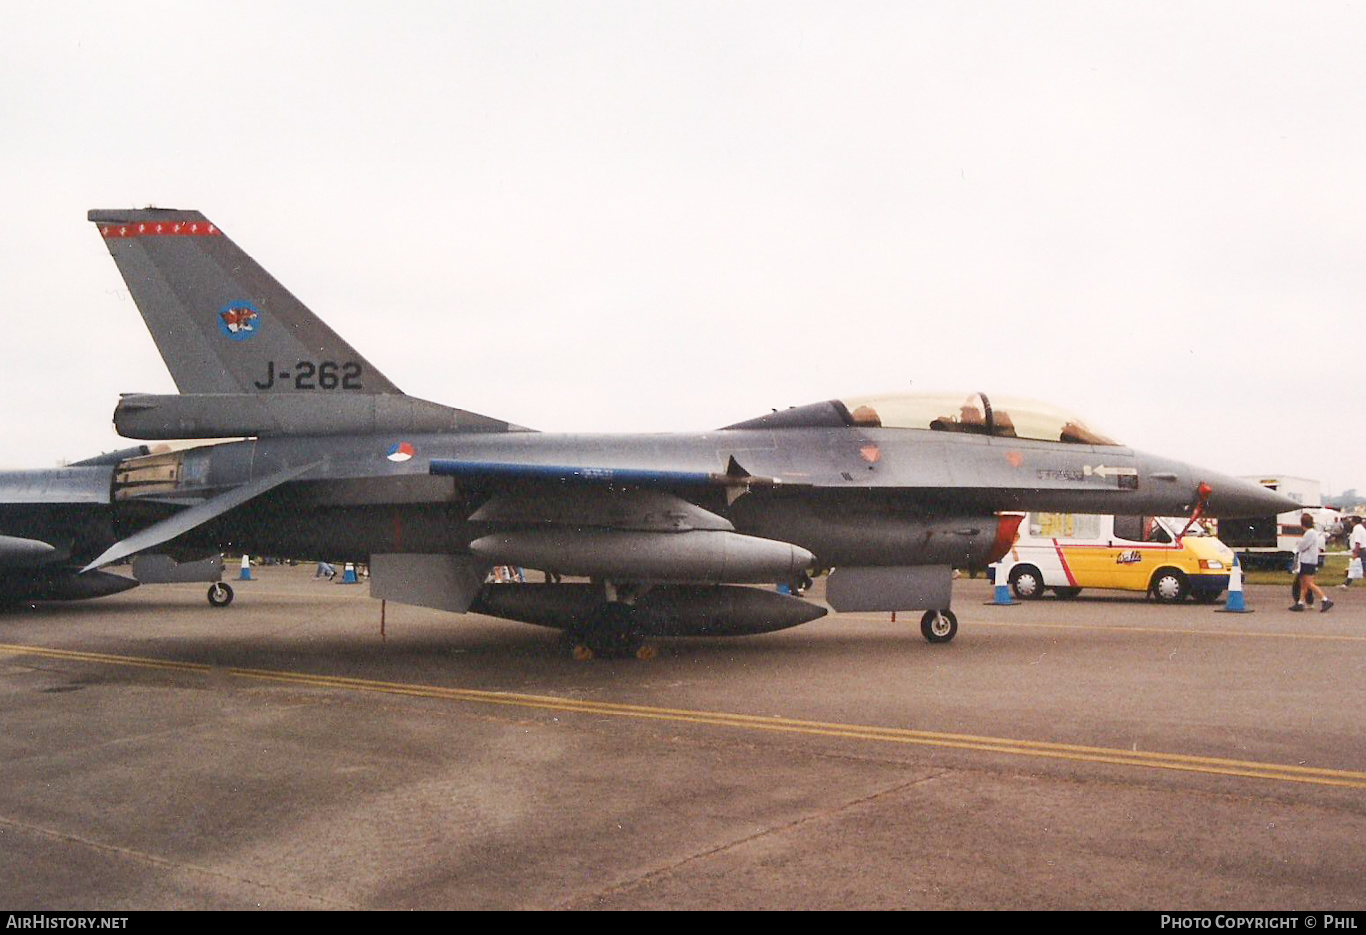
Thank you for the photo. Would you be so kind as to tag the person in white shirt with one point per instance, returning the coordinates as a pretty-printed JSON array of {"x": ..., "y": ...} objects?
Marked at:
[
  {"x": 1356, "y": 544},
  {"x": 1307, "y": 551}
]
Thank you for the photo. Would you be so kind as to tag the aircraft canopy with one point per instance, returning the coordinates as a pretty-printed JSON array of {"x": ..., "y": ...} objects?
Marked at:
[{"x": 977, "y": 414}]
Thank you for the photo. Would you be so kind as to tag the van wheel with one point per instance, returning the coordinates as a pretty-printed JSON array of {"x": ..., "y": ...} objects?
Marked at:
[
  {"x": 1067, "y": 593},
  {"x": 1169, "y": 586},
  {"x": 1026, "y": 582}
]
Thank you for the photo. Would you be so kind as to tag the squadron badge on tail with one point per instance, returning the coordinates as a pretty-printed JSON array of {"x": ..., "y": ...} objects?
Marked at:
[{"x": 238, "y": 320}]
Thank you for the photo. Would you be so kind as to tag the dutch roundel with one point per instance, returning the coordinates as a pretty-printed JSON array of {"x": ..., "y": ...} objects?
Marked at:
[{"x": 400, "y": 452}]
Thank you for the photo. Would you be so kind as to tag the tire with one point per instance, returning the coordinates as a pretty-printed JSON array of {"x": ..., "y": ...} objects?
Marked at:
[
  {"x": 1067, "y": 593},
  {"x": 611, "y": 634},
  {"x": 939, "y": 626},
  {"x": 220, "y": 595},
  {"x": 1169, "y": 586},
  {"x": 1026, "y": 582}
]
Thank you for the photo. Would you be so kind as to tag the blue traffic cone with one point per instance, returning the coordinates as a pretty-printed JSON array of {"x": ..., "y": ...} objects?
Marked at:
[
  {"x": 1000, "y": 595},
  {"x": 245, "y": 574},
  {"x": 1235, "y": 603},
  {"x": 349, "y": 576}
]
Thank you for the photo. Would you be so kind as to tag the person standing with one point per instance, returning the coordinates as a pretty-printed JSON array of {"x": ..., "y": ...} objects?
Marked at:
[
  {"x": 1307, "y": 551},
  {"x": 1356, "y": 546}
]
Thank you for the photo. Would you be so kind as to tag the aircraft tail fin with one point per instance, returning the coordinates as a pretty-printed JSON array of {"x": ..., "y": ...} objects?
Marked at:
[{"x": 221, "y": 322}]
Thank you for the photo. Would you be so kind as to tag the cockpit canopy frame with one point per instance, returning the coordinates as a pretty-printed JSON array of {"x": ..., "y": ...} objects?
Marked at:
[{"x": 976, "y": 414}]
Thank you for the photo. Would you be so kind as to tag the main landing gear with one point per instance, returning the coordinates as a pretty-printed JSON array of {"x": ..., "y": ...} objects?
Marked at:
[{"x": 611, "y": 634}]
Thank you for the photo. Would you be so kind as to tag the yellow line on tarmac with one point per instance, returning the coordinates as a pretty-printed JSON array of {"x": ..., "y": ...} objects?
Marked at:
[
  {"x": 1033, "y": 748},
  {"x": 138, "y": 661}
]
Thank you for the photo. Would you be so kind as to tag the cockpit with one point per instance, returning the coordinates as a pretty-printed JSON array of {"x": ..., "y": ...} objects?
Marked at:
[{"x": 975, "y": 414}]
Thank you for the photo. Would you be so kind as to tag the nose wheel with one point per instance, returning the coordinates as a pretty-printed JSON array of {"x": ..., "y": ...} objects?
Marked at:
[
  {"x": 939, "y": 626},
  {"x": 220, "y": 595}
]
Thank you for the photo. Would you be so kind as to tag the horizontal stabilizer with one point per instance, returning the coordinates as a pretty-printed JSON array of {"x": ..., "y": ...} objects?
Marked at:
[
  {"x": 63, "y": 586},
  {"x": 184, "y": 521},
  {"x": 16, "y": 551}
]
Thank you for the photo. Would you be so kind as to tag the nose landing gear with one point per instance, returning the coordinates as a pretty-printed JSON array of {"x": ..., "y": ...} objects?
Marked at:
[
  {"x": 939, "y": 626},
  {"x": 220, "y": 595}
]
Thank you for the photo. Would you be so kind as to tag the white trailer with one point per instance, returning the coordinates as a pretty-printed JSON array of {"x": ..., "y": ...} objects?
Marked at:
[{"x": 1270, "y": 540}]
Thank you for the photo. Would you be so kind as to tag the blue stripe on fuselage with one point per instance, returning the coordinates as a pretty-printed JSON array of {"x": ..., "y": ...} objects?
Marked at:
[{"x": 567, "y": 474}]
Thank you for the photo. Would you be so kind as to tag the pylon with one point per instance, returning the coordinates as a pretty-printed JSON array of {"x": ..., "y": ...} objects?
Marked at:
[
  {"x": 1000, "y": 595},
  {"x": 349, "y": 576},
  {"x": 245, "y": 574},
  {"x": 1235, "y": 603}
]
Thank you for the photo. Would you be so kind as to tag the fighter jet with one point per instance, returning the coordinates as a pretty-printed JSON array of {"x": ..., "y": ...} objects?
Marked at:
[{"x": 670, "y": 535}]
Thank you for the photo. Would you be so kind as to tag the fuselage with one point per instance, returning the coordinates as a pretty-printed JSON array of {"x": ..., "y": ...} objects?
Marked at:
[{"x": 857, "y": 495}]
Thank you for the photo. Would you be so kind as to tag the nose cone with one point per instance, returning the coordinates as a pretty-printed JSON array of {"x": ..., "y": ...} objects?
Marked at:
[
  {"x": 1232, "y": 497},
  {"x": 1173, "y": 488}
]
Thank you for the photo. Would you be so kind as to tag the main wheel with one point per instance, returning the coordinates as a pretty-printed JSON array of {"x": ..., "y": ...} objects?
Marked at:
[
  {"x": 220, "y": 595},
  {"x": 611, "y": 634},
  {"x": 1169, "y": 586},
  {"x": 1027, "y": 582},
  {"x": 939, "y": 626}
]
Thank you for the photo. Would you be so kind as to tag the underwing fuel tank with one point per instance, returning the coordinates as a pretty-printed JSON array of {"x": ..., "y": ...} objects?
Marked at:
[
  {"x": 664, "y": 610},
  {"x": 840, "y": 536},
  {"x": 695, "y": 555}
]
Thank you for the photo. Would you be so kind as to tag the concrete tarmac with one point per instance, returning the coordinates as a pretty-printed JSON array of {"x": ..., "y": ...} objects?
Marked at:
[{"x": 1104, "y": 752}]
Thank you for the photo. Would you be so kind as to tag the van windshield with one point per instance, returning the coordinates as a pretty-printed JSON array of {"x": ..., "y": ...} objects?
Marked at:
[{"x": 975, "y": 414}]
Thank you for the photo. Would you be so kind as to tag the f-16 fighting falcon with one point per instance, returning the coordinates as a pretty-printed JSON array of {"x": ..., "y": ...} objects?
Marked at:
[{"x": 663, "y": 531}]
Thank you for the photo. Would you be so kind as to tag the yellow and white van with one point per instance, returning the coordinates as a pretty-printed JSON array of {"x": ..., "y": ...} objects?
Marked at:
[{"x": 1070, "y": 551}]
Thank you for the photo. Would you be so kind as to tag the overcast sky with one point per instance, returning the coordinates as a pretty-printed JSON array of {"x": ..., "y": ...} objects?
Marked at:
[{"x": 669, "y": 216}]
